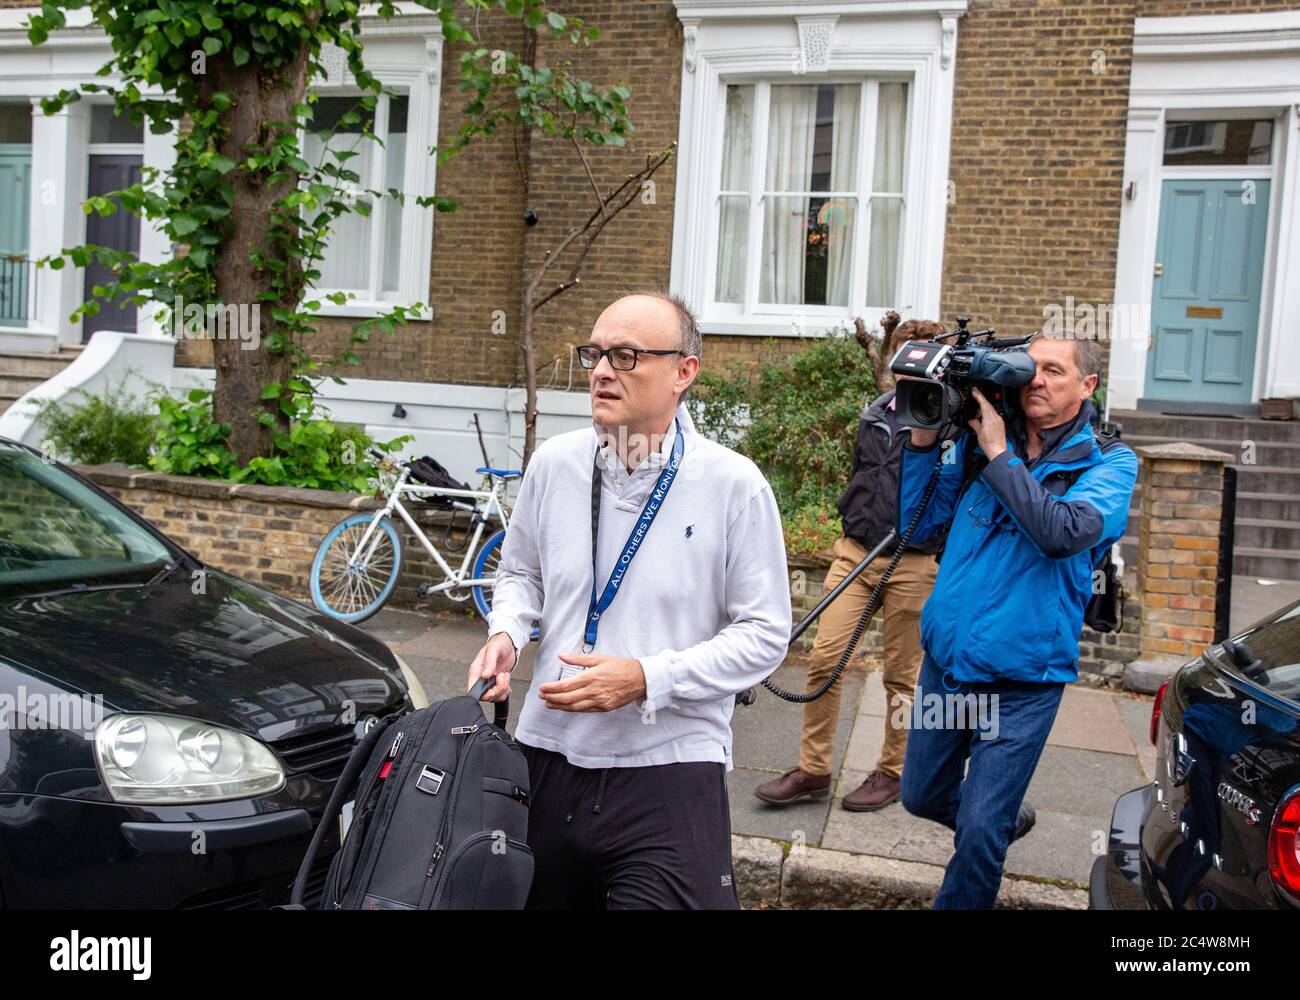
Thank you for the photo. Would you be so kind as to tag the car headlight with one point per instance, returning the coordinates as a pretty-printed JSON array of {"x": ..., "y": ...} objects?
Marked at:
[
  {"x": 160, "y": 759},
  {"x": 418, "y": 698}
]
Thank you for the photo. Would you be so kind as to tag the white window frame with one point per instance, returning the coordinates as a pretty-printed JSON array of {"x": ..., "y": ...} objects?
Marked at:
[
  {"x": 862, "y": 195},
  {"x": 374, "y": 295},
  {"x": 735, "y": 42},
  {"x": 406, "y": 56}
]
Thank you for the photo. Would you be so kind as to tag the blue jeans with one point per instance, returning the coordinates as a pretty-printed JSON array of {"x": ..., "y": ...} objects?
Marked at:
[{"x": 982, "y": 806}]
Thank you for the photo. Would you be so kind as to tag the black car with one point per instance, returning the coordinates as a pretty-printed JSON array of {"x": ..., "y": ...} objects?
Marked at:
[
  {"x": 169, "y": 734},
  {"x": 1219, "y": 828}
]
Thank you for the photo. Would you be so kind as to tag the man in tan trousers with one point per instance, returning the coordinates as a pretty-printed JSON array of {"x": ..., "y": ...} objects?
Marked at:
[{"x": 867, "y": 512}]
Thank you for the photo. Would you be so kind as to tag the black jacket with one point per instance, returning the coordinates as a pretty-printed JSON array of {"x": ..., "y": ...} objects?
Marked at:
[{"x": 868, "y": 506}]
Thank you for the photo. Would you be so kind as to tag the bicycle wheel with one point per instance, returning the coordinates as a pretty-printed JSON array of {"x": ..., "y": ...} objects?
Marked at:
[
  {"x": 341, "y": 587},
  {"x": 489, "y": 559},
  {"x": 485, "y": 565}
]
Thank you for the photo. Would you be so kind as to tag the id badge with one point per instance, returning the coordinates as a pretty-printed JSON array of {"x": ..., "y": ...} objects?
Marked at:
[{"x": 568, "y": 670}]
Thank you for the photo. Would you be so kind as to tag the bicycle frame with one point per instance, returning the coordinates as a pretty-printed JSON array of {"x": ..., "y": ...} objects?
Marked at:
[{"x": 454, "y": 578}]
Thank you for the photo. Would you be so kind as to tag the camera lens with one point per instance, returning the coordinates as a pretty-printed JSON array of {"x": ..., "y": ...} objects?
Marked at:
[{"x": 927, "y": 403}]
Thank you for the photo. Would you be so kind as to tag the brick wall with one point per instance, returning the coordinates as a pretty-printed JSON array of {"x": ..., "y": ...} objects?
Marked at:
[
  {"x": 1037, "y": 157},
  {"x": 269, "y": 535},
  {"x": 1178, "y": 548},
  {"x": 479, "y": 254},
  {"x": 640, "y": 47},
  {"x": 1103, "y": 656}
]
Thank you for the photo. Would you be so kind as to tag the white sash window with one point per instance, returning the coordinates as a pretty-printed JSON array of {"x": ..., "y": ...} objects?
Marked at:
[{"x": 813, "y": 155}]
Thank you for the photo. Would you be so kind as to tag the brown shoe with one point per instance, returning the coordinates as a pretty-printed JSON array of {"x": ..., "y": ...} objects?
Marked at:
[
  {"x": 793, "y": 786},
  {"x": 878, "y": 791}
]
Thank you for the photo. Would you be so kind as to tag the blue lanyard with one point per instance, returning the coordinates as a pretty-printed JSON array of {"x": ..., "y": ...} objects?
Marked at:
[{"x": 652, "y": 505}]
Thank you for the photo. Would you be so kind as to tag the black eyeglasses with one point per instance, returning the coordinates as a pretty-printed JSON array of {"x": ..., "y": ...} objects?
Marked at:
[{"x": 622, "y": 358}]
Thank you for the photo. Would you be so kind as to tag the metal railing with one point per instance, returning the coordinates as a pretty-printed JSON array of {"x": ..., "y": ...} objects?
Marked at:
[{"x": 17, "y": 290}]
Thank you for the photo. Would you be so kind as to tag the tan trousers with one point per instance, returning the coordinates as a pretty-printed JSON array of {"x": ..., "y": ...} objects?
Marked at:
[{"x": 904, "y": 595}]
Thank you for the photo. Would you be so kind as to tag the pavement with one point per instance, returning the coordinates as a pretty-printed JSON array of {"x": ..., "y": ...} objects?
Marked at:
[{"x": 818, "y": 854}]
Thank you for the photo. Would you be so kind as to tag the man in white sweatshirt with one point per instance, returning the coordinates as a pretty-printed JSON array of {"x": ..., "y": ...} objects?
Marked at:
[{"x": 655, "y": 562}]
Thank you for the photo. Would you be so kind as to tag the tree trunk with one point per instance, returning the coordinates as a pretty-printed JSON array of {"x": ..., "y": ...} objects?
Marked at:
[{"x": 260, "y": 98}]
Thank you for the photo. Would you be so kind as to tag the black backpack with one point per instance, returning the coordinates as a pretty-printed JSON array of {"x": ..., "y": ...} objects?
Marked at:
[
  {"x": 440, "y": 815},
  {"x": 1105, "y": 610},
  {"x": 431, "y": 472}
]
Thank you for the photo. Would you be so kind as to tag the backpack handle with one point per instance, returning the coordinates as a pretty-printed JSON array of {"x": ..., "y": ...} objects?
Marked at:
[
  {"x": 500, "y": 709},
  {"x": 343, "y": 789}
]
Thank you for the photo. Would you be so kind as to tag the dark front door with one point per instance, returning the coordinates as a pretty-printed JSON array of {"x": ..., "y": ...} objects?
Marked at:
[{"x": 121, "y": 231}]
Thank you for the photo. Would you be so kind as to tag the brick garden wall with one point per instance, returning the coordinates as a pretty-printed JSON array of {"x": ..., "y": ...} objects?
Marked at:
[{"x": 269, "y": 535}]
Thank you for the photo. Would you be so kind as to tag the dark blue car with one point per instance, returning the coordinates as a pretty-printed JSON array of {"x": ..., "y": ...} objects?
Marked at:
[{"x": 1219, "y": 828}]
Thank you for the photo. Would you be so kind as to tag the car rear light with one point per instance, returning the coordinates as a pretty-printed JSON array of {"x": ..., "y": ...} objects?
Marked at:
[
  {"x": 1155, "y": 710},
  {"x": 1284, "y": 846}
]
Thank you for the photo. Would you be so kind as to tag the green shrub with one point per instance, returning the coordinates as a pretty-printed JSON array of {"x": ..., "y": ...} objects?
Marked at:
[
  {"x": 316, "y": 452},
  {"x": 114, "y": 426},
  {"x": 813, "y": 528},
  {"x": 797, "y": 418},
  {"x": 189, "y": 442}
]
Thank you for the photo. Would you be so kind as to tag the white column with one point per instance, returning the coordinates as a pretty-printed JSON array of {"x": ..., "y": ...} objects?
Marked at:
[
  {"x": 155, "y": 246},
  {"x": 59, "y": 189},
  {"x": 1282, "y": 374},
  {"x": 936, "y": 192},
  {"x": 1135, "y": 257}
]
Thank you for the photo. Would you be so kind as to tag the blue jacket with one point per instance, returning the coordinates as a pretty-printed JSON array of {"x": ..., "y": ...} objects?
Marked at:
[{"x": 1016, "y": 572}]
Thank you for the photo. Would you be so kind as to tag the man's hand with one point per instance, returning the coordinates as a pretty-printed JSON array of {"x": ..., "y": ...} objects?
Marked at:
[
  {"x": 609, "y": 682},
  {"x": 989, "y": 427},
  {"x": 496, "y": 659}
]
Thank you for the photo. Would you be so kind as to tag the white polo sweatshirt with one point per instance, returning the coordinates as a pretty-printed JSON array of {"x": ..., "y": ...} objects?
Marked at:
[{"x": 704, "y": 605}]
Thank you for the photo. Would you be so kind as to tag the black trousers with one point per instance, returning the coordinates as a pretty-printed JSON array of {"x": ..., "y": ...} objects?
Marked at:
[{"x": 624, "y": 838}]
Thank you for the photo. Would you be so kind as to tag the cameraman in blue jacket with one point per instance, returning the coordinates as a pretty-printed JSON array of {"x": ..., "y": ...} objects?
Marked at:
[{"x": 1032, "y": 504}]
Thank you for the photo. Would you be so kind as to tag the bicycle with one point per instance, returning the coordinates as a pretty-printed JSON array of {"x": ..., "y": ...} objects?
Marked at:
[{"x": 358, "y": 563}]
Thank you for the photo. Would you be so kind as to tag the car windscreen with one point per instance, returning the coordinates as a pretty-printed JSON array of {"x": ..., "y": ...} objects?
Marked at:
[
  {"x": 1274, "y": 645},
  {"x": 57, "y": 532}
]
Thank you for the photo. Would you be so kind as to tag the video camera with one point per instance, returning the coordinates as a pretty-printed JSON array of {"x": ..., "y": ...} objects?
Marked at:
[{"x": 938, "y": 392}]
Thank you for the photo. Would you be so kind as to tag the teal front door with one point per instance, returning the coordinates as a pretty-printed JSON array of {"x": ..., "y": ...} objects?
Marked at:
[
  {"x": 1205, "y": 300},
  {"x": 15, "y": 211}
]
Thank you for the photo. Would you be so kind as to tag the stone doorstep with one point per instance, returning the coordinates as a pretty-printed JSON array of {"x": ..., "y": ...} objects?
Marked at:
[{"x": 818, "y": 878}]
